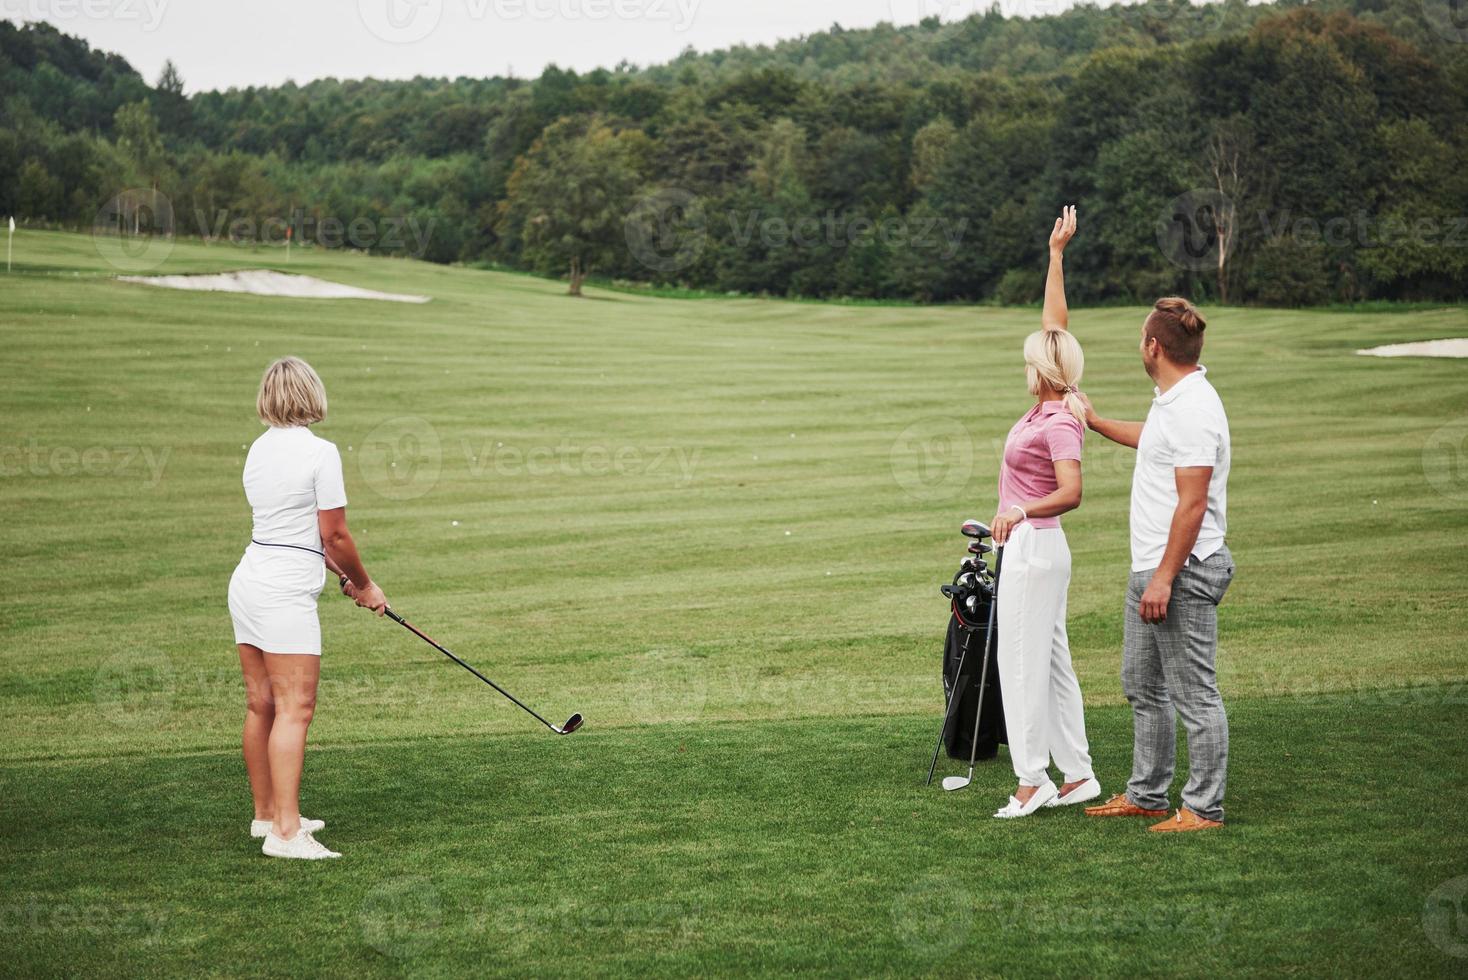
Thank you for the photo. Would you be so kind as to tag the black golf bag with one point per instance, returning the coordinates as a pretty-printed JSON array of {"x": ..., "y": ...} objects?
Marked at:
[{"x": 971, "y": 627}]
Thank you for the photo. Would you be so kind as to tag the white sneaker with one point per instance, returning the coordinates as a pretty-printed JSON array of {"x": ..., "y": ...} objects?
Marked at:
[
  {"x": 259, "y": 828},
  {"x": 1088, "y": 790},
  {"x": 1014, "y": 808},
  {"x": 302, "y": 846}
]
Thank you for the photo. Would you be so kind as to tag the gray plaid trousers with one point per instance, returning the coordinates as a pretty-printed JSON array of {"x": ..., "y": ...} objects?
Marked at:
[{"x": 1168, "y": 669}]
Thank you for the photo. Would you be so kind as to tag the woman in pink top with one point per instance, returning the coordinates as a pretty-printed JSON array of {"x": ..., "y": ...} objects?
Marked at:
[{"x": 1039, "y": 480}]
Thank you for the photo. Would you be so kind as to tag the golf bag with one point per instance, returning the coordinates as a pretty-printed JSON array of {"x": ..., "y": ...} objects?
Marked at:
[{"x": 958, "y": 739}]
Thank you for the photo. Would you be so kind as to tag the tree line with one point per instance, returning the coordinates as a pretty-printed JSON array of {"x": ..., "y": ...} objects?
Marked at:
[{"x": 1283, "y": 154}]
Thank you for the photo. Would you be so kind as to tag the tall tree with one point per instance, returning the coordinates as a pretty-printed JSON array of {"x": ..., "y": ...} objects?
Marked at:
[{"x": 568, "y": 198}]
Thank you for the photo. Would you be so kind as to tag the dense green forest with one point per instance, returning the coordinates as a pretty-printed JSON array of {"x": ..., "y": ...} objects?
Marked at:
[{"x": 1283, "y": 154}]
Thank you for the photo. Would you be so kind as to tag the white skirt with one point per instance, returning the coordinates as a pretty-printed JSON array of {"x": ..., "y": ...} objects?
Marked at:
[{"x": 272, "y": 600}]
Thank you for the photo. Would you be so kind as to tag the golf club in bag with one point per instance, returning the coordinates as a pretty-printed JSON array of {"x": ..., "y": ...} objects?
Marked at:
[
  {"x": 572, "y": 723},
  {"x": 973, "y": 719}
]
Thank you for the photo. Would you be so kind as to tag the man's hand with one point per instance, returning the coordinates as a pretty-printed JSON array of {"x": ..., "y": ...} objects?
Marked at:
[
  {"x": 1153, "y": 607},
  {"x": 1064, "y": 230},
  {"x": 1090, "y": 409},
  {"x": 1004, "y": 524}
]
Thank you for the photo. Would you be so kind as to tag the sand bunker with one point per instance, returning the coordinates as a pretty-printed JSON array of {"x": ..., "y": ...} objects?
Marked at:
[
  {"x": 265, "y": 282},
  {"x": 1454, "y": 347}
]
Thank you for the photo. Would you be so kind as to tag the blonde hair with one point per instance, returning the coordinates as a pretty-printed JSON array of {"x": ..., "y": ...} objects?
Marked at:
[
  {"x": 1053, "y": 360},
  {"x": 291, "y": 393}
]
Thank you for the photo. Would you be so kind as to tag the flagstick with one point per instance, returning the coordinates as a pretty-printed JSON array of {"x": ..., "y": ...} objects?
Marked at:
[{"x": 9, "y": 246}]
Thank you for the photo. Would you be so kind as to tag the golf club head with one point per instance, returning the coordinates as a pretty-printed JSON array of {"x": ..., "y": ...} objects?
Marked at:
[
  {"x": 967, "y": 581},
  {"x": 572, "y": 723},
  {"x": 972, "y": 605},
  {"x": 979, "y": 548},
  {"x": 975, "y": 529},
  {"x": 951, "y": 783},
  {"x": 948, "y": 591}
]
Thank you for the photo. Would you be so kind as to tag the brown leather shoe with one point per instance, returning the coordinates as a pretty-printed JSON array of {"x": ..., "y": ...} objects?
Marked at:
[
  {"x": 1185, "y": 820},
  {"x": 1120, "y": 806}
]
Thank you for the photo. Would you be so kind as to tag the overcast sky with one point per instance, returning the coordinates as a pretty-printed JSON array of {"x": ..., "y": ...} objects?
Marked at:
[{"x": 223, "y": 43}]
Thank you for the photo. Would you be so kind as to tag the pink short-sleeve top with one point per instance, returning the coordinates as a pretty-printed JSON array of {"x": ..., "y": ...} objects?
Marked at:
[{"x": 1046, "y": 433}]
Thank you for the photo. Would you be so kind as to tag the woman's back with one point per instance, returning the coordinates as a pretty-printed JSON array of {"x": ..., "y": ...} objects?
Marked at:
[{"x": 290, "y": 474}]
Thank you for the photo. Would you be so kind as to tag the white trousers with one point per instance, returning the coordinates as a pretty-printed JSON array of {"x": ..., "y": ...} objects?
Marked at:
[{"x": 1042, "y": 698}]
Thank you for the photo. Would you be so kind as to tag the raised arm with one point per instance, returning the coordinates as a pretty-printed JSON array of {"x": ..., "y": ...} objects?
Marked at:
[{"x": 1055, "y": 316}]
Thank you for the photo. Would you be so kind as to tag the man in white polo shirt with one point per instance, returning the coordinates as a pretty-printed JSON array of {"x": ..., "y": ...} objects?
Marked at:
[{"x": 1180, "y": 572}]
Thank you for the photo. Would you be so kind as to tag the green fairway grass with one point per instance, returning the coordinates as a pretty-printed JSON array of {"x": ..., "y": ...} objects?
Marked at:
[{"x": 717, "y": 529}]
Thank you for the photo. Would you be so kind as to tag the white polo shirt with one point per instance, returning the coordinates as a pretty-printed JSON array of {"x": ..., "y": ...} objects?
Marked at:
[{"x": 1185, "y": 427}]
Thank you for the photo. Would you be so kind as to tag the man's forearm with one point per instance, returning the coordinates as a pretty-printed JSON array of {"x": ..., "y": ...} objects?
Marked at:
[
  {"x": 1187, "y": 521},
  {"x": 1125, "y": 433}
]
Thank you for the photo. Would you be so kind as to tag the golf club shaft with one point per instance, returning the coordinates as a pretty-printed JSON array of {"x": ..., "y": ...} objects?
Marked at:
[
  {"x": 948, "y": 711},
  {"x": 447, "y": 653},
  {"x": 973, "y": 751}
]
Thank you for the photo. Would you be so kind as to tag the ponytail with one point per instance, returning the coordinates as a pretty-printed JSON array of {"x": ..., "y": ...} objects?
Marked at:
[{"x": 1054, "y": 361}]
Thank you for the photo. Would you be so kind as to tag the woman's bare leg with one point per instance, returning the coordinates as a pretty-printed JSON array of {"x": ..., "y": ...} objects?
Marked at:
[
  {"x": 293, "y": 679},
  {"x": 259, "y": 716}
]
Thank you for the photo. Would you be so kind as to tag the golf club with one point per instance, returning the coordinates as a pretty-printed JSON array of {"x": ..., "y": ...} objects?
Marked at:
[
  {"x": 948, "y": 711},
  {"x": 951, "y": 783},
  {"x": 572, "y": 723}
]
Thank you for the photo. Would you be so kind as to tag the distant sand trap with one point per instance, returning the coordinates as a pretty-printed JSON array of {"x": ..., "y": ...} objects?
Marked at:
[
  {"x": 1454, "y": 347},
  {"x": 265, "y": 282}
]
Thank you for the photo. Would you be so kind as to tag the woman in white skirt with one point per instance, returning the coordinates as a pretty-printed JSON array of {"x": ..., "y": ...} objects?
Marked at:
[
  {"x": 293, "y": 481},
  {"x": 1040, "y": 479}
]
